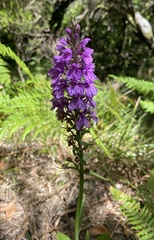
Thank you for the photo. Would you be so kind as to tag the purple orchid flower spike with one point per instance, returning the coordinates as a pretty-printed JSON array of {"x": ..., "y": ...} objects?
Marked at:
[{"x": 73, "y": 79}]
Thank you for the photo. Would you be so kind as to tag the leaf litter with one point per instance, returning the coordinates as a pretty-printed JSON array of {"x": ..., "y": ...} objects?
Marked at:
[{"x": 38, "y": 198}]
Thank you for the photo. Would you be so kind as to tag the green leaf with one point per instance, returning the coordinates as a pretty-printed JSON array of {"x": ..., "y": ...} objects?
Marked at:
[
  {"x": 87, "y": 236},
  {"x": 4, "y": 73},
  {"x": 6, "y": 51},
  {"x": 140, "y": 85},
  {"x": 147, "y": 105},
  {"x": 100, "y": 143},
  {"x": 139, "y": 217},
  {"x": 81, "y": 210},
  {"x": 91, "y": 173},
  {"x": 62, "y": 236},
  {"x": 103, "y": 237}
]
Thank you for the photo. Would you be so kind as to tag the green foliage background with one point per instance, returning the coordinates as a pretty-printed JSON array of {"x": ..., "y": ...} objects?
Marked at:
[
  {"x": 31, "y": 28},
  {"x": 124, "y": 64},
  {"x": 29, "y": 32}
]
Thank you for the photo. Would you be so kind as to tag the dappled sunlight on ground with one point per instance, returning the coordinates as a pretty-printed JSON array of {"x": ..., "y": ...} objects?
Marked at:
[{"x": 38, "y": 198}]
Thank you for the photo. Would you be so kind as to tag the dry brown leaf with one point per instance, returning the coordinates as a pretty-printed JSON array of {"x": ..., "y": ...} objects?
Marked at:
[
  {"x": 97, "y": 230},
  {"x": 2, "y": 166},
  {"x": 9, "y": 209}
]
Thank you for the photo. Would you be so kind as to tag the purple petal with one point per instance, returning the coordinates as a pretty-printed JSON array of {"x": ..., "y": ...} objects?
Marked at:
[
  {"x": 78, "y": 27},
  {"x": 59, "y": 47},
  {"x": 89, "y": 76},
  {"x": 63, "y": 41},
  {"x": 78, "y": 104},
  {"x": 58, "y": 94},
  {"x": 81, "y": 122},
  {"x": 68, "y": 30},
  {"x": 74, "y": 72},
  {"x": 54, "y": 73},
  {"x": 76, "y": 36},
  {"x": 91, "y": 91},
  {"x": 81, "y": 104},
  {"x": 75, "y": 90},
  {"x": 86, "y": 55},
  {"x": 93, "y": 115},
  {"x": 84, "y": 42},
  {"x": 67, "y": 54},
  {"x": 92, "y": 103}
]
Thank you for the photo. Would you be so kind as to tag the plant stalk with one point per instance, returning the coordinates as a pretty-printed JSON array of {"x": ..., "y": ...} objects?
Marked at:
[{"x": 80, "y": 198}]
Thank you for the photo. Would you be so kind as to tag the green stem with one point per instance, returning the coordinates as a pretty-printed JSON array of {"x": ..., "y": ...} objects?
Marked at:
[{"x": 80, "y": 198}]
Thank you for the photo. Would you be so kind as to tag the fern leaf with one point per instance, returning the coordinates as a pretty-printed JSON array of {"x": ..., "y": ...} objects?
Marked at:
[
  {"x": 147, "y": 105},
  {"x": 140, "y": 218},
  {"x": 6, "y": 51},
  {"x": 136, "y": 84},
  {"x": 149, "y": 236},
  {"x": 28, "y": 112},
  {"x": 4, "y": 73}
]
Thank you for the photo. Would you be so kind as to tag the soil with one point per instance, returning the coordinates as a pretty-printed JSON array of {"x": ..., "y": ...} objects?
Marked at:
[{"x": 38, "y": 197}]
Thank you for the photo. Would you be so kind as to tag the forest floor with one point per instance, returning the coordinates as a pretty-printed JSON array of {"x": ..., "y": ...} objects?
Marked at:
[{"x": 38, "y": 198}]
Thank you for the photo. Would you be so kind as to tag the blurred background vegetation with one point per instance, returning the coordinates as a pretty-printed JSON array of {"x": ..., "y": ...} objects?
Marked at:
[
  {"x": 29, "y": 33},
  {"x": 31, "y": 28},
  {"x": 123, "y": 44}
]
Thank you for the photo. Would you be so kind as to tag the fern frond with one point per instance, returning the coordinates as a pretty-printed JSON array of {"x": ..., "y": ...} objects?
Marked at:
[
  {"x": 4, "y": 73},
  {"x": 141, "y": 219},
  {"x": 146, "y": 192},
  {"x": 136, "y": 84},
  {"x": 3, "y": 18},
  {"x": 147, "y": 105},
  {"x": 28, "y": 112},
  {"x": 6, "y": 51},
  {"x": 150, "y": 185}
]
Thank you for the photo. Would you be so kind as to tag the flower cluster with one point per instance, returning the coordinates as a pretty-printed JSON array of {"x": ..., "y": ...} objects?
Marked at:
[{"x": 73, "y": 78}]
